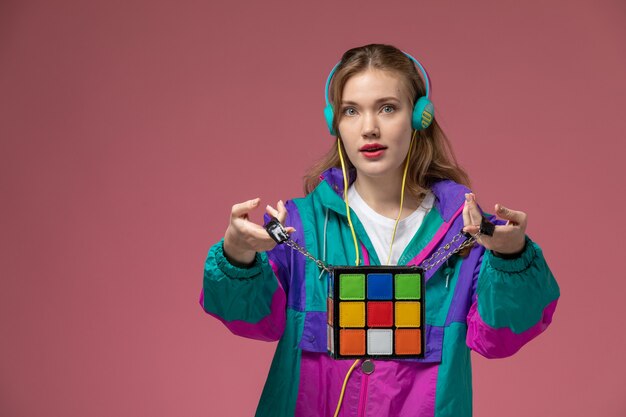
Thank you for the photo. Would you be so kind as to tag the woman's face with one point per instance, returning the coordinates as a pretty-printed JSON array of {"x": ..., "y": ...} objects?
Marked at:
[{"x": 375, "y": 123}]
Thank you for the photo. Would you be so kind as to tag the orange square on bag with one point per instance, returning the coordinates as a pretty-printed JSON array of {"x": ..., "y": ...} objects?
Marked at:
[
  {"x": 352, "y": 342},
  {"x": 408, "y": 342}
]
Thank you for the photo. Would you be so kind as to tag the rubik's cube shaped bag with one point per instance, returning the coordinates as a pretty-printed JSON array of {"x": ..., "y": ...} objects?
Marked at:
[{"x": 376, "y": 312}]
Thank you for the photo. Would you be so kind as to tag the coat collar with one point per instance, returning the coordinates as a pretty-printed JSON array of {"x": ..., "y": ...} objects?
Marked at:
[{"x": 449, "y": 195}]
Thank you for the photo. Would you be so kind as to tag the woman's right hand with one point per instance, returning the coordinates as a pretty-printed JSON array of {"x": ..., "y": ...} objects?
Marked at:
[{"x": 243, "y": 238}]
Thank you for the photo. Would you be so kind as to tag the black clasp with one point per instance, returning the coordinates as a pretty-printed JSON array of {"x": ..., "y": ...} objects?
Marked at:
[
  {"x": 486, "y": 227},
  {"x": 276, "y": 231}
]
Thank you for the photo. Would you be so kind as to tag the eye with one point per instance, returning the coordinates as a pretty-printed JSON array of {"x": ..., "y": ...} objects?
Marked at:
[
  {"x": 387, "y": 108},
  {"x": 349, "y": 111}
]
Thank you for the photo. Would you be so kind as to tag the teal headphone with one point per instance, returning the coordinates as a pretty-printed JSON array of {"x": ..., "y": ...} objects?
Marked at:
[{"x": 423, "y": 111}]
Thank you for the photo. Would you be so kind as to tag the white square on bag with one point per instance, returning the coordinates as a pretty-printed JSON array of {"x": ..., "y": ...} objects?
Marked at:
[{"x": 379, "y": 342}]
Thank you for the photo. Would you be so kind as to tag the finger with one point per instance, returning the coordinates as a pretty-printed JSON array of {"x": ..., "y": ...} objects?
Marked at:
[
  {"x": 474, "y": 212},
  {"x": 499, "y": 208},
  {"x": 472, "y": 230},
  {"x": 467, "y": 220},
  {"x": 282, "y": 211},
  {"x": 272, "y": 211},
  {"x": 241, "y": 209},
  {"x": 513, "y": 216}
]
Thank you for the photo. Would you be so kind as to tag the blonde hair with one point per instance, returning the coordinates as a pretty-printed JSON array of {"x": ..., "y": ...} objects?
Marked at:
[{"x": 431, "y": 157}]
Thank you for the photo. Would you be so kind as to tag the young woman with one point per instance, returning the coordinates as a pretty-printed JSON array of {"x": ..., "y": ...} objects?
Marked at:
[{"x": 386, "y": 193}]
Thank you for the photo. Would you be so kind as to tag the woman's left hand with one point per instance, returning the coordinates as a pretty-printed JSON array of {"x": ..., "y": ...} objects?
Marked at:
[{"x": 507, "y": 239}]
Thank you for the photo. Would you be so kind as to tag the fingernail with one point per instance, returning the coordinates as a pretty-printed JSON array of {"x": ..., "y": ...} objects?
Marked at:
[
  {"x": 467, "y": 198},
  {"x": 255, "y": 201}
]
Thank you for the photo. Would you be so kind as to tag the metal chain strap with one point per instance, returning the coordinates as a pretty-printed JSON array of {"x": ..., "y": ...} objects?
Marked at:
[
  {"x": 320, "y": 264},
  {"x": 426, "y": 264}
]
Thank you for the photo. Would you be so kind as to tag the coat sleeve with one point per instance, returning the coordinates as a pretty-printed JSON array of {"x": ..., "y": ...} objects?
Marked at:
[
  {"x": 513, "y": 302},
  {"x": 251, "y": 302}
]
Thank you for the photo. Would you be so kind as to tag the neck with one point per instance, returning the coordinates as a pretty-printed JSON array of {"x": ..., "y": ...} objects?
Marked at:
[{"x": 383, "y": 194}]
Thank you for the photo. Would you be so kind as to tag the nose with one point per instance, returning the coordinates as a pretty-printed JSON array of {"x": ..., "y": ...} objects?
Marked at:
[{"x": 369, "y": 129}]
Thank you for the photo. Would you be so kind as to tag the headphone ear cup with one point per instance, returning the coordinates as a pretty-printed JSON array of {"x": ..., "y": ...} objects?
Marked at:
[
  {"x": 329, "y": 115},
  {"x": 423, "y": 114}
]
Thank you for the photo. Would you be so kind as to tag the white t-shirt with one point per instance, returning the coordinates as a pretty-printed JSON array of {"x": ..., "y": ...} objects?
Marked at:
[{"x": 380, "y": 228}]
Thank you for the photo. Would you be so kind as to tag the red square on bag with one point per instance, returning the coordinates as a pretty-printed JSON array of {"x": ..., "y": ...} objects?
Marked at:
[{"x": 380, "y": 314}]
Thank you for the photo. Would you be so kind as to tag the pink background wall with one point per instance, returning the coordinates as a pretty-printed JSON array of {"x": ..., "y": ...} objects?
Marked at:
[{"x": 129, "y": 128}]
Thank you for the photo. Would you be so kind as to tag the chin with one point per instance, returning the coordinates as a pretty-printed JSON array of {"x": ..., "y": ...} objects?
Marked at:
[{"x": 375, "y": 173}]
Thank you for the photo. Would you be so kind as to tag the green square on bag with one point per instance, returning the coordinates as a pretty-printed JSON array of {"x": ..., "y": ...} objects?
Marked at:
[
  {"x": 352, "y": 286},
  {"x": 408, "y": 287}
]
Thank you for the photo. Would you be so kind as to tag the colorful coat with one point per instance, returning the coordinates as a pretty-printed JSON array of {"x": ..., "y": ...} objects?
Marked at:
[{"x": 481, "y": 302}]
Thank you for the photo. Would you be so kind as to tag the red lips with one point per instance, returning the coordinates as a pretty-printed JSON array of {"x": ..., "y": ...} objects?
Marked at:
[
  {"x": 372, "y": 147},
  {"x": 372, "y": 150}
]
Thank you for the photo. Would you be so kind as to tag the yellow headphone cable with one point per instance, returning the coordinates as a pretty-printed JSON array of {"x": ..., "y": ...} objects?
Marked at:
[
  {"x": 356, "y": 247},
  {"x": 345, "y": 198}
]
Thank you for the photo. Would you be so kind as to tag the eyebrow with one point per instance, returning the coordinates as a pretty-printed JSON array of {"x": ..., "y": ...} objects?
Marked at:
[{"x": 380, "y": 100}]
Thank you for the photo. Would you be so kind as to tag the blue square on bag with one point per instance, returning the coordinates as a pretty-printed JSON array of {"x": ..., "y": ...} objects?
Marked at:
[{"x": 379, "y": 287}]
